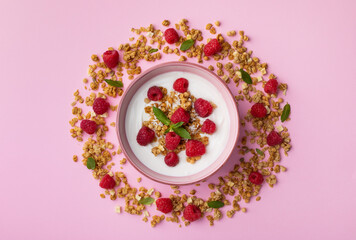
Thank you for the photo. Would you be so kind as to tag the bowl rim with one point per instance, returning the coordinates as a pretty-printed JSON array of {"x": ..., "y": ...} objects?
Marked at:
[{"x": 172, "y": 63}]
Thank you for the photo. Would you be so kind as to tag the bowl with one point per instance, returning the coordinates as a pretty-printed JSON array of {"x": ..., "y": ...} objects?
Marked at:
[{"x": 139, "y": 159}]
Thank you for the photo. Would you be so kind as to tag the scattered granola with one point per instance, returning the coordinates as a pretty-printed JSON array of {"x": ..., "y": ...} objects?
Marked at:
[{"x": 233, "y": 61}]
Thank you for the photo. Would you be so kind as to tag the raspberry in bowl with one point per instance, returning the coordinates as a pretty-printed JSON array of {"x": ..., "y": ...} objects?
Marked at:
[{"x": 200, "y": 151}]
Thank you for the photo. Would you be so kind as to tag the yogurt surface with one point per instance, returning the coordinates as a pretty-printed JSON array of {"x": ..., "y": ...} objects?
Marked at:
[{"x": 200, "y": 88}]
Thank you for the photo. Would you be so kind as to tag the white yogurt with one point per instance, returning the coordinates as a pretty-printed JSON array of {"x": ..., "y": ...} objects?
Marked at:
[{"x": 200, "y": 88}]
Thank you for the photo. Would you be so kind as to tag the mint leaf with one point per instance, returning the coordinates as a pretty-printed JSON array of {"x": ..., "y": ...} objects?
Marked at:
[
  {"x": 161, "y": 116},
  {"x": 260, "y": 152},
  {"x": 146, "y": 201},
  {"x": 216, "y": 204},
  {"x": 91, "y": 164},
  {"x": 152, "y": 50},
  {"x": 182, "y": 132},
  {"x": 186, "y": 44},
  {"x": 245, "y": 76},
  {"x": 177, "y": 125},
  {"x": 285, "y": 113},
  {"x": 118, "y": 84}
]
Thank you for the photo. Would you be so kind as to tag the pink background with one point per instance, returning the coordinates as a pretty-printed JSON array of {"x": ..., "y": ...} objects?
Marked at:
[{"x": 45, "y": 49}]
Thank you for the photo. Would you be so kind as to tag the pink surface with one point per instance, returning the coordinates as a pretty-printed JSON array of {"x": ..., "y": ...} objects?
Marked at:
[{"x": 45, "y": 49}]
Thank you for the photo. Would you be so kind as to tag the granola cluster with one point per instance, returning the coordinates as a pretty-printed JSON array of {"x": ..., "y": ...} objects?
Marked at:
[{"x": 233, "y": 189}]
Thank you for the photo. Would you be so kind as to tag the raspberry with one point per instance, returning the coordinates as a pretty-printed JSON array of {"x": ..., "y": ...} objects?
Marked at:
[
  {"x": 271, "y": 86},
  {"x": 145, "y": 136},
  {"x": 154, "y": 93},
  {"x": 194, "y": 148},
  {"x": 181, "y": 85},
  {"x": 212, "y": 47},
  {"x": 111, "y": 58},
  {"x": 274, "y": 138},
  {"x": 180, "y": 115},
  {"x": 164, "y": 205},
  {"x": 258, "y": 110},
  {"x": 172, "y": 140},
  {"x": 208, "y": 127},
  {"x": 171, "y": 159},
  {"x": 171, "y": 36},
  {"x": 107, "y": 182},
  {"x": 256, "y": 178},
  {"x": 191, "y": 213},
  {"x": 203, "y": 107},
  {"x": 88, "y": 126},
  {"x": 100, "y": 106}
]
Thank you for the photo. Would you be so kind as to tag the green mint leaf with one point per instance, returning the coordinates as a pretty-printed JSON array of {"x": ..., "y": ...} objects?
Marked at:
[
  {"x": 186, "y": 44},
  {"x": 216, "y": 204},
  {"x": 146, "y": 201},
  {"x": 182, "y": 132},
  {"x": 260, "y": 152},
  {"x": 91, "y": 164},
  {"x": 285, "y": 113},
  {"x": 161, "y": 116},
  {"x": 169, "y": 129},
  {"x": 118, "y": 84},
  {"x": 177, "y": 125},
  {"x": 245, "y": 76},
  {"x": 152, "y": 50}
]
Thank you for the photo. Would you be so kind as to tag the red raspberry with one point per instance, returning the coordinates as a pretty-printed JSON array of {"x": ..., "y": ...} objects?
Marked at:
[
  {"x": 258, "y": 110},
  {"x": 194, "y": 148},
  {"x": 172, "y": 140},
  {"x": 256, "y": 178},
  {"x": 171, "y": 159},
  {"x": 100, "y": 106},
  {"x": 145, "y": 136},
  {"x": 208, "y": 127},
  {"x": 180, "y": 115},
  {"x": 171, "y": 36},
  {"x": 191, "y": 213},
  {"x": 271, "y": 86},
  {"x": 274, "y": 138},
  {"x": 111, "y": 58},
  {"x": 88, "y": 126},
  {"x": 181, "y": 85},
  {"x": 203, "y": 107},
  {"x": 107, "y": 182},
  {"x": 212, "y": 47},
  {"x": 164, "y": 205},
  {"x": 154, "y": 93}
]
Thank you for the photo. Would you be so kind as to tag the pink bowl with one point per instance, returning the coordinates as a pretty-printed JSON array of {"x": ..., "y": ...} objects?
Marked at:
[{"x": 184, "y": 67}]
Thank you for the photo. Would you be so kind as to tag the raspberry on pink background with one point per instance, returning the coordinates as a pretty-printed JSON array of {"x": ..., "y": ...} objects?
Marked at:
[
  {"x": 88, "y": 126},
  {"x": 212, "y": 47},
  {"x": 191, "y": 213},
  {"x": 271, "y": 86},
  {"x": 100, "y": 106},
  {"x": 258, "y": 110},
  {"x": 274, "y": 138},
  {"x": 164, "y": 205},
  {"x": 171, "y": 36},
  {"x": 107, "y": 182},
  {"x": 111, "y": 58}
]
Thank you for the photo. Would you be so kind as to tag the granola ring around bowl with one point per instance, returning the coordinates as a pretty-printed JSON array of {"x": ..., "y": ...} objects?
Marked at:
[{"x": 133, "y": 111}]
